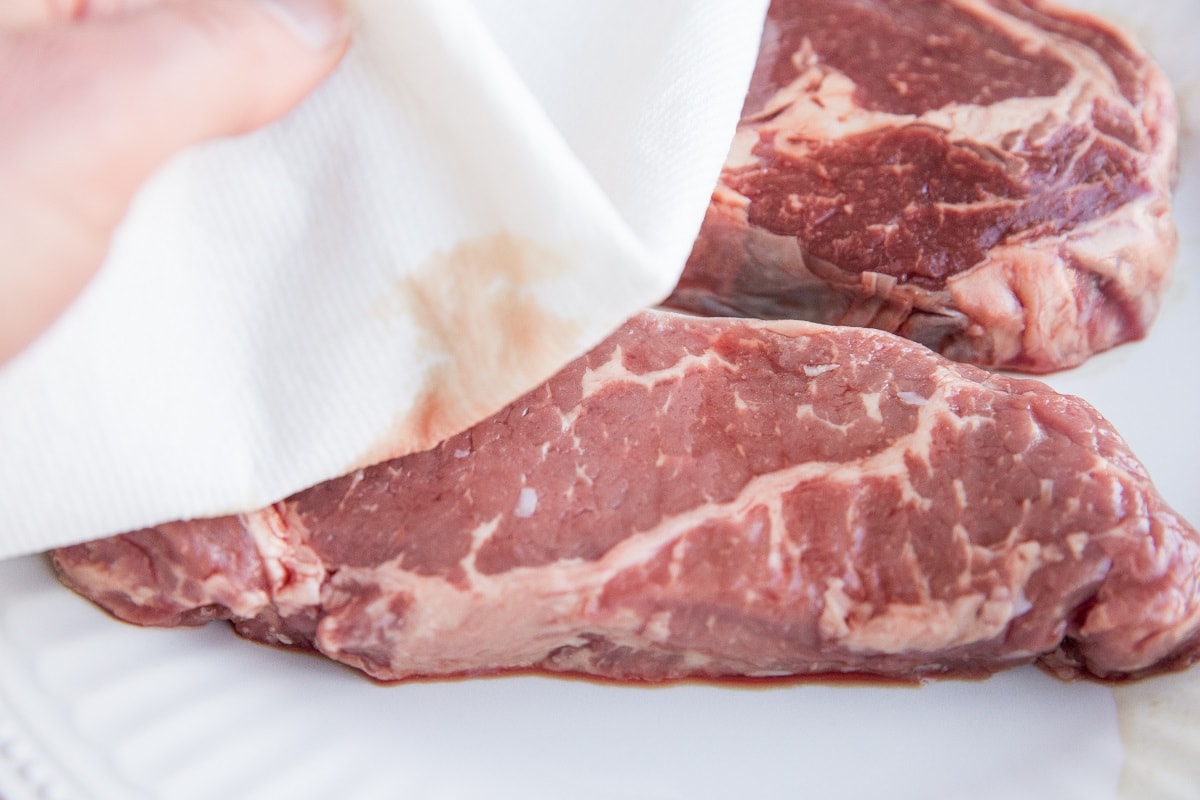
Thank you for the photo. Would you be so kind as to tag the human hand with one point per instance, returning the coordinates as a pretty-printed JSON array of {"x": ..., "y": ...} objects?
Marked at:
[{"x": 94, "y": 96}]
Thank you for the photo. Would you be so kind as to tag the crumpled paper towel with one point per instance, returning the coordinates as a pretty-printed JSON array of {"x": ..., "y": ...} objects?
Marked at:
[{"x": 483, "y": 191}]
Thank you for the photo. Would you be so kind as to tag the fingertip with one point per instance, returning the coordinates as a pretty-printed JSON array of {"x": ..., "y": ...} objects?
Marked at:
[
  {"x": 321, "y": 24},
  {"x": 239, "y": 64},
  {"x": 125, "y": 92}
]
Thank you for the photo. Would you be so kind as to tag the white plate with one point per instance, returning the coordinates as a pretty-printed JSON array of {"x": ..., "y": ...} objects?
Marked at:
[{"x": 93, "y": 709}]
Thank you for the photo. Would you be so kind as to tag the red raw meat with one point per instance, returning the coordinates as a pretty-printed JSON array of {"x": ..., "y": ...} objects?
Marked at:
[
  {"x": 991, "y": 178},
  {"x": 710, "y": 497}
]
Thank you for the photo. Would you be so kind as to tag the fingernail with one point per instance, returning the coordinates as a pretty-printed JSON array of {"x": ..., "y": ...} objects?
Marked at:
[{"x": 318, "y": 23}]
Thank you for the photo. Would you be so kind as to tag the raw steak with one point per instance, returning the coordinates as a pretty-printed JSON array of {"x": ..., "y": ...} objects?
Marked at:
[
  {"x": 709, "y": 497},
  {"x": 991, "y": 178}
]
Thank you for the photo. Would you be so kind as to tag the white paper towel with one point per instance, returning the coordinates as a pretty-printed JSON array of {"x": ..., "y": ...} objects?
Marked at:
[{"x": 480, "y": 193}]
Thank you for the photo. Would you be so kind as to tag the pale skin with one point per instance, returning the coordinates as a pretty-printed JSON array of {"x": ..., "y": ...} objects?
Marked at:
[{"x": 95, "y": 95}]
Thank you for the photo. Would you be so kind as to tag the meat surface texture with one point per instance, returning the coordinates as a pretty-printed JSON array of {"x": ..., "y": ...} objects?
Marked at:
[
  {"x": 991, "y": 178},
  {"x": 703, "y": 498}
]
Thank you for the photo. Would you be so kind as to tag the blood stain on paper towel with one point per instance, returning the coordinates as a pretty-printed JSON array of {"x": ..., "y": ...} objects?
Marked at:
[{"x": 486, "y": 333}]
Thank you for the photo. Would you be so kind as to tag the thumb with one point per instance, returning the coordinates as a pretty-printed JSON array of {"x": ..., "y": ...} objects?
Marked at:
[{"x": 88, "y": 110}]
